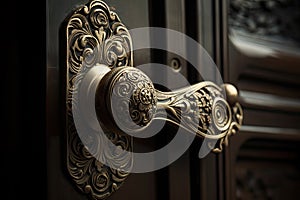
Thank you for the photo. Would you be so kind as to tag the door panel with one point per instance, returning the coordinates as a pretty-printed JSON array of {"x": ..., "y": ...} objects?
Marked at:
[
  {"x": 263, "y": 61},
  {"x": 263, "y": 66}
]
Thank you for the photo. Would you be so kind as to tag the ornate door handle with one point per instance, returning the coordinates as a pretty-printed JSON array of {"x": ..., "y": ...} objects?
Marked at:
[
  {"x": 106, "y": 97},
  {"x": 127, "y": 102}
]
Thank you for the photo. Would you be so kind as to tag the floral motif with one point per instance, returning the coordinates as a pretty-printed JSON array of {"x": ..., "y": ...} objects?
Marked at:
[
  {"x": 134, "y": 97},
  {"x": 95, "y": 35}
]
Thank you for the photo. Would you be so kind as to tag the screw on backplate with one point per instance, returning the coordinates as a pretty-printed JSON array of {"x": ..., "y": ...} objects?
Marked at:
[{"x": 175, "y": 64}]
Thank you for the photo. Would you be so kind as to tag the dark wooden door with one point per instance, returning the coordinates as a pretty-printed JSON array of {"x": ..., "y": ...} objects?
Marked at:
[
  {"x": 188, "y": 177},
  {"x": 255, "y": 45}
]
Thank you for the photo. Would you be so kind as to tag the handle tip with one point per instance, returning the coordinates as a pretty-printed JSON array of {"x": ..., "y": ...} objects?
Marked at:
[{"x": 231, "y": 93}]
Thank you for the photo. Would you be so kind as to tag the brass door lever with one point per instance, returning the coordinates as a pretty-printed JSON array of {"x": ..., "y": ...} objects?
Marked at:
[
  {"x": 104, "y": 93},
  {"x": 126, "y": 102}
]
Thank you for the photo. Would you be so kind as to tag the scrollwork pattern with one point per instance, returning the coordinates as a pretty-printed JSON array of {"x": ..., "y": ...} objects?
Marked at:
[
  {"x": 95, "y": 35},
  {"x": 135, "y": 97},
  {"x": 202, "y": 109}
]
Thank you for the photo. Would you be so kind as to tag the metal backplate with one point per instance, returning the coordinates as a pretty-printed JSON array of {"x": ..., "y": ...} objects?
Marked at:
[{"x": 93, "y": 36}]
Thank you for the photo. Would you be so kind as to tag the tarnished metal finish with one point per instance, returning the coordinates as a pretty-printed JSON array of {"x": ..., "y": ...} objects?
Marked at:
[
  {"x": 94, "y": 35},
  {"x": 104, "y": 93},
  {"x": 130, "y": 99},
  {"x": 204, "y": 109}
]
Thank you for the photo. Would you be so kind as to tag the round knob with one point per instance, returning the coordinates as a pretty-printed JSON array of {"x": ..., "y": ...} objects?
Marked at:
[{"x": 127, "y": 96}]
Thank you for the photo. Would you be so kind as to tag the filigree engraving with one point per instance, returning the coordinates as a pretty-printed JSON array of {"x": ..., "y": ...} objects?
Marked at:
[
  {"x": 94, "y": 35},
  {"x": 134, "y": 96},
  {"x": 274, "y": 19},
  {"x": 202, "y": 109},
  {"x": 233, "y": 128}
]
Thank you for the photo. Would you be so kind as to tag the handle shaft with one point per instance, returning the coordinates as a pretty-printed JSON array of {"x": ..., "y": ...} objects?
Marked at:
[{"x": 126, "y": 101}]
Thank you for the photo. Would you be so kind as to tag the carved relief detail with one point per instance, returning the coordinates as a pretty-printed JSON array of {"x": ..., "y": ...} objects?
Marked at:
[
  {"x": 95, "y": 35},
  {"x": 202, "y": 109}
]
